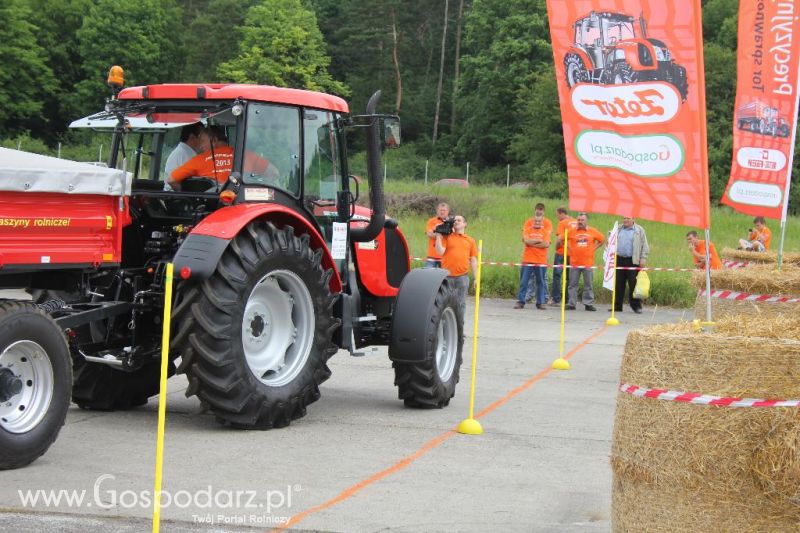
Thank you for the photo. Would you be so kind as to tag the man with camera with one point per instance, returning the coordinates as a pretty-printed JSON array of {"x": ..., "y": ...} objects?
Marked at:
[
  {"x": 758, "y": 238},
  {"x": 459, "y": 254},
  {"x": 434, "y": 259}
]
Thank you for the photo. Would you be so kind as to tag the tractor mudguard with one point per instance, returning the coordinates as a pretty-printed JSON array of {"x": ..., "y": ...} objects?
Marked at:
[
  {"x": 412, "y": 312},
  {"x": 208, "y": 240}
]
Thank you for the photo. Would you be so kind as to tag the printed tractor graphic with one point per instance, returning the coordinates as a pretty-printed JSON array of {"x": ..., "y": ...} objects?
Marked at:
[
  {"x": 607, "y": 51},
  {"x": 760, "y": 118}
]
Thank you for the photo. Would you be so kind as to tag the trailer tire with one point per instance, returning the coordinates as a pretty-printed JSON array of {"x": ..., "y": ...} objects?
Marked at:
[
  {"x": 234, "y": 331},
  {"x": 33, "y": 353},
  {"x": 431, "y": 382},
  {"x": 99, "y": 387}
]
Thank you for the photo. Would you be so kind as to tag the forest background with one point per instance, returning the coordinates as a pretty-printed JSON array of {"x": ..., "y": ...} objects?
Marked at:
[{"x": 472, "y": 80}]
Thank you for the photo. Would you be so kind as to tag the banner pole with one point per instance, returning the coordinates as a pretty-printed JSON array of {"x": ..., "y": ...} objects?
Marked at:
[
  {"x": 708, "y": 275},
  {"x": 613, "y": 321},
  {"x": 789, "y": 172}
]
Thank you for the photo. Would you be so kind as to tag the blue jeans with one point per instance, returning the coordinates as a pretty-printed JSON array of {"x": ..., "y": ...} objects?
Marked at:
[
  {"x": 555, "y": 291},
  {"x": 537, "y": 273},
  {"x": 430, "y": 263},
  {"x": 461, "y": 285}
]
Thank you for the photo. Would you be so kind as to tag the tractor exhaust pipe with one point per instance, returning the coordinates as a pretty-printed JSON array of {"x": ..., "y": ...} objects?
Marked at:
[{"x": 376, "y": 221}]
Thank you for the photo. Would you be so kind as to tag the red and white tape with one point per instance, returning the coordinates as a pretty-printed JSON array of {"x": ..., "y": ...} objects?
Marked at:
[
  {"x": 702, "y": 399},
  {"x": 743, "y": 296},
  {"x": 727, "y": 263},
  {"x": 595, "y": 267}
]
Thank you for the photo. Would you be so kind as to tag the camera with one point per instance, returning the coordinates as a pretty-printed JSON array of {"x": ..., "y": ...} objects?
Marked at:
[{"x": 446, "y": 227}]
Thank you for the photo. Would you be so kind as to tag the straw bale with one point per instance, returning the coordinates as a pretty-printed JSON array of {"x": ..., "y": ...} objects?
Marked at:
[
  {"x": 769, "y": 256},
  {"x": 723, "y": 308},
  {"x": 684, "y": 467},
  {"x": 758, "y": 279}
]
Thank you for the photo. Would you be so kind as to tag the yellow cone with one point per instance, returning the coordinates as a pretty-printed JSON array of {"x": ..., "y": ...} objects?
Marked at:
[
  {"x": 612, "y": 321},
  {"x": 470, "y": 426},
  {"x": 561, "y": 364}
]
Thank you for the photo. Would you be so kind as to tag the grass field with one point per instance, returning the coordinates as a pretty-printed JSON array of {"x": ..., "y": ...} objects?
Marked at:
[{"x": 496, "y": 215}]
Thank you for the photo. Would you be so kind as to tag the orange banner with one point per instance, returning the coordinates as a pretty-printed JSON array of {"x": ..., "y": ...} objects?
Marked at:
[
  {"x": 632, "y": 93},
  {"x": 766, "y": 107}
]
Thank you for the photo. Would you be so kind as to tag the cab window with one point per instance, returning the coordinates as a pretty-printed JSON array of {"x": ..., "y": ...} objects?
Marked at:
[{"x": 272, "y": 148}]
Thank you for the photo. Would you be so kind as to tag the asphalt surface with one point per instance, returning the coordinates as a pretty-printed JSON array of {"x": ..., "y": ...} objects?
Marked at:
[{"x": 360, "y": 461}]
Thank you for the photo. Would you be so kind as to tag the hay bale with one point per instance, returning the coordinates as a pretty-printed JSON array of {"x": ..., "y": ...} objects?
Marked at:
[
  {"x": 768, "y": 257},
  {"x": 758, "y": 279},
  {"x": 684, "y": 467}
]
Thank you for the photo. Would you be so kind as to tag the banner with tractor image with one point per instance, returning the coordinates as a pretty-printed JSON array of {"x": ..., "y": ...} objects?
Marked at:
[
  {"x": 766, "y": 107},
  {"x": 629, "y": 75}
]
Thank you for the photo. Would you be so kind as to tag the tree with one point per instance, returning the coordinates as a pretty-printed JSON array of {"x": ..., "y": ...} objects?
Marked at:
[
  {"x": 142, "y": 36},
  {"x": 441, "y": 74},
  {"x": 202, "y": 58},
  {"x": 505, "y": 41},
  {"x": 282, "y": 45},
  {"x": 25, "y": 77}
]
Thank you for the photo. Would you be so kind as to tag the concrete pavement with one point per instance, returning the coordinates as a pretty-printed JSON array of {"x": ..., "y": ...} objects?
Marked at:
[{"x": 359, "y": 461}]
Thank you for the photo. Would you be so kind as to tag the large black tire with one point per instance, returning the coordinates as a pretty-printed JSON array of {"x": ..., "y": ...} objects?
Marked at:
[
  {"x": 101, "y": 387},
  {"x": 430, "y": 383},
  {"x": 35, "y": 356},
  {"x": 622, "y": 73},
  {"x": 262, "y": 269},
  {"x": 575, "y": 70}
]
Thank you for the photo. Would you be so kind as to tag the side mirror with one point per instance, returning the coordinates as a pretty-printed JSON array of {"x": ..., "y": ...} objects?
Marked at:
[{"x": 391, "y": 132}]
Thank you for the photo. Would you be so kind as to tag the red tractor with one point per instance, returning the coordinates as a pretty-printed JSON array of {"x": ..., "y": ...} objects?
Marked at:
[
  {"x": 760, "y": 118},
  {"x": 276, "y": 267},
  {"x": 606, "y": 50}
]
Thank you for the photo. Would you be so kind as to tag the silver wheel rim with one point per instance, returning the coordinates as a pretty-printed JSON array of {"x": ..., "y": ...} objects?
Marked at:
[
  {"x": 446, "y": 344},
  {"x": 29, "y": 362},
  {"x": 278, "y": 328}
]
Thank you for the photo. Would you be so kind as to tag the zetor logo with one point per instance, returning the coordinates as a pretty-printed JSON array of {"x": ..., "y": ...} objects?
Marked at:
[{"x": 640, "y": 103}]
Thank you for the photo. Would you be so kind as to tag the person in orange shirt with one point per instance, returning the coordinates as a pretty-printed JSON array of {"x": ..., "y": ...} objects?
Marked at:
[
  {"x": 459, "y": 254},
  {"x": 581, "y": 246},
  {"x": 216, "y": 161},
  {"x": 534, "y": 261},
  {"x": 434, "y": 259},
  {"x": 538, "y": 211},
  {"x": 564, "y": 221},
  {"x": 759, "y": 238},
  {"x": 697, "y": 248}
]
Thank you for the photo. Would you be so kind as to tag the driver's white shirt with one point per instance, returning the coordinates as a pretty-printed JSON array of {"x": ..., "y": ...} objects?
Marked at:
[{"x": 180, "y": 155}]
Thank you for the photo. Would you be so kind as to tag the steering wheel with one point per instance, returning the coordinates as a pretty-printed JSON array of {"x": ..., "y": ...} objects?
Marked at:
[{"x": 199, "y": 184}]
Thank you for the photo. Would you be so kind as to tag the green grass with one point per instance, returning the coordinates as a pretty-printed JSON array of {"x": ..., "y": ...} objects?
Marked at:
[{"x": 496, "y": 214}]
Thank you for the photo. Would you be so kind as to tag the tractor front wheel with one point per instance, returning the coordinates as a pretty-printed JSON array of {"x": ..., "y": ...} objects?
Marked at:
[
  {"x": 431, "y": 382},
  {"x": 256, "y": 336},
  {"x": 35, "y": 379},
  {"x": 575, "y": 70}
]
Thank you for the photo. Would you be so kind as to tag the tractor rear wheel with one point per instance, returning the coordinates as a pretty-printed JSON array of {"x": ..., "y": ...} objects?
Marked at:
[
  {"x": 256, "y": 336},
  {"x": 431, "y": 382},
  {"x": 623, "y": 73},
  {"x": 35, "y": 379},
  {"x": 575, "y": 70}
]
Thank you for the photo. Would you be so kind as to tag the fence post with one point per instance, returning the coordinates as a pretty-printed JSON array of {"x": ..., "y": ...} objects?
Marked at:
[
  {"x": 426, "y": 172},
  {"x": 467, "y": 171},
  {"x": 384, "y": 172},
  {"x": 508, "y": 175},
  {"x": 59, "y": 150}
]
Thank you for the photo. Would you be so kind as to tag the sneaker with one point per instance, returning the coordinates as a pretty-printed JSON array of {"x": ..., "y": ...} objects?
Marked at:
[
  {"x": 570, "y": 307},
  {"x": 519, "y": 305},
  {"x": 638, "y": 311},
  {"x": 591, "y": 308},
  {"x": 540, "y": 306}
]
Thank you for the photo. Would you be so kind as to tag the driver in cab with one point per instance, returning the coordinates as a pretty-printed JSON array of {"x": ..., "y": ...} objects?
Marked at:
[{"x": 215, "y": 162}]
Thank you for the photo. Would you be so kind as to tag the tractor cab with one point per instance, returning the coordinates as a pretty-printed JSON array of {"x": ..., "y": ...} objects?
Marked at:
[{"x": 598, "y": 33}]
